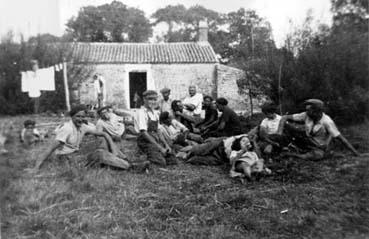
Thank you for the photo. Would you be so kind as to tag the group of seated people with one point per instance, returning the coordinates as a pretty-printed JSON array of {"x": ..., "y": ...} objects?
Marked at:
[{"x": 167, "y": 130}]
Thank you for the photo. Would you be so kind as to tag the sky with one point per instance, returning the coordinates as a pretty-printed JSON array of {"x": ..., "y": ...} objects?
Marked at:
[{"x": 31, "y": 17}]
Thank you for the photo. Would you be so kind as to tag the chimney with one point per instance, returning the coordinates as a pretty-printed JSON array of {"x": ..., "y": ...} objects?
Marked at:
[{"x": 203, "y": 31}]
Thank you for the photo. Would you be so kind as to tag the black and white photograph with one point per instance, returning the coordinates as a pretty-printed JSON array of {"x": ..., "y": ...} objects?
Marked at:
[{"x": 130, "y": 119}]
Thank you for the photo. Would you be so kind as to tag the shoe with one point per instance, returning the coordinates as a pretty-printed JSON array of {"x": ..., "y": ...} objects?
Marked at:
[{"x": 140, "y": 167}]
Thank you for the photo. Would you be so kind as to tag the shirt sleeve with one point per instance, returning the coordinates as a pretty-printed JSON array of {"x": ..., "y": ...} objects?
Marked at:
[
  {"x": 299, "y": 117},
  {"x": 198, "y": 105},
  {"x": 141, "y": 120},
  {"x": 63, "y": 133},
  {"x": 263, "y": 123},
  {"x": 99, "y": 126},
  {"x": 332, "y": 128}
]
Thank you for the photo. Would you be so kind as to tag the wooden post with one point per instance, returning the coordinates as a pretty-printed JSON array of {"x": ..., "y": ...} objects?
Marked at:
[
  {"x": 279, "y": 89},
  {"x": 66, "y": 88}
]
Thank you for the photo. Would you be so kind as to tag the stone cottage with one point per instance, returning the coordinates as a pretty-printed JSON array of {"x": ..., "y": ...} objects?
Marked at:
[{"x": 130, "y": 68}]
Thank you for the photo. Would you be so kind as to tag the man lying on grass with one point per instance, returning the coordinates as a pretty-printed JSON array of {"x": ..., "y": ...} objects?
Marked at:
[
  {"x": 68, "y": 139},
  {"x": 238, "y": 151},
  {"x": 318, "y": 132}
]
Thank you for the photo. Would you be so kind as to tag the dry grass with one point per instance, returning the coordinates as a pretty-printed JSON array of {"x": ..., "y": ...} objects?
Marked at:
[{"x": 326, "y": 199}]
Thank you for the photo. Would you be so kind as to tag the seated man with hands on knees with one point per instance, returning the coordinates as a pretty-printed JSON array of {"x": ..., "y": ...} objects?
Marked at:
[{"x": 150, "y": 140}]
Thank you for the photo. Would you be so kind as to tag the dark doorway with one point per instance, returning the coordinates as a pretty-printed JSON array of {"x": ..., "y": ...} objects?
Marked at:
[{"x": 137, "y": 85}]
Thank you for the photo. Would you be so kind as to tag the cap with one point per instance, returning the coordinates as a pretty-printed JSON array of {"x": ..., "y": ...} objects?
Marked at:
[
  {"x": 150, "y": 94},
  {"x": 318, "y": 104},
  {"x": 165, "y": 90},
  {"x": 103, "y": 108}
]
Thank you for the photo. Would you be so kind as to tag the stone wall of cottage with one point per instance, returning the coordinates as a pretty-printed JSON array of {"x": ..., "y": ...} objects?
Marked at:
[
  {"x": 177, "y": 77},
  {"x": 227, "y": 87}
]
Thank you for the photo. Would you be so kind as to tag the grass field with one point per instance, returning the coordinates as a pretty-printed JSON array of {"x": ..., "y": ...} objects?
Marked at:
[{"x": 326, "y": 199}]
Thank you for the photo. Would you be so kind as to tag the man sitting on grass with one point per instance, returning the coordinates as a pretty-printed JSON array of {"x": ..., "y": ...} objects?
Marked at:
[
  {"x": 319, "y": 131},
  {"x": 269, "y": 141},
  {"x": 211, "y": 115},
  {"x": 175, "y": 133},
  {"x": 112, "y": 124},
  {"x": 228, "y": 124},
  {"x": 150, "y": 139},
  {"x": 68, "y": 140}
]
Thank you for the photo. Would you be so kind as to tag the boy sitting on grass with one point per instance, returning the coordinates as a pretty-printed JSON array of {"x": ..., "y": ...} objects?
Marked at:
[
  {"x": 175, "y": 133},
  {"x": 29, "y": 134},
  {"x": 68, "y": 140}
]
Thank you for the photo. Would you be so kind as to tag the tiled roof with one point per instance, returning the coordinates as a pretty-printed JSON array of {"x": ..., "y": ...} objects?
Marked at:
[{"x": 138, "y": 53}]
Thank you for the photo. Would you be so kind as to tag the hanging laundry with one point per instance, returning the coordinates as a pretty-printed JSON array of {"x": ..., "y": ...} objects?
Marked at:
[
  {"x": 46, "y": 79},
  {"x": 34, "y": 93}
]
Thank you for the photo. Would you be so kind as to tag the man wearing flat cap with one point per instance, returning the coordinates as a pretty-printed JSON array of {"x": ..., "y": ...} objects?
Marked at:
[
  {"x": 150, "y": 140},
  {"x": 320, "y": 129},
  {"x": 166, "y": 102}
]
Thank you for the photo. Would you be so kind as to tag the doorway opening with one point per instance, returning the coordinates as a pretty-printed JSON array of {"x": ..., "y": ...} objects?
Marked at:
[{"x": 137, "y": 85}]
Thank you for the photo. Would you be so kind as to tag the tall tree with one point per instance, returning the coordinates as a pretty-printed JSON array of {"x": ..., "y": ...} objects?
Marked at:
[
  {"x": 114, "y": 22},
  {"x": 183, "y": 24}
]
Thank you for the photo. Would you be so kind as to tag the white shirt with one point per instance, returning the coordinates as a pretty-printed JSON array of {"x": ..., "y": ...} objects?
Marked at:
[
  {"x": 271, "y": 125},
  {"x": 71, "y": 136},
  {"x": 195, "y": 100},
  {"x": 322, "y": 132},
  {"x": 113, "y": 126},
  {"x": 142, "y": 116}
]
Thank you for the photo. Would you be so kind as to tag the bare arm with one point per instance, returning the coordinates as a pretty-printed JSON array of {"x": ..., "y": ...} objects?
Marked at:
[
  {"x": 348, "y": 145},
  {"x": 282, "y": 122},
  {"x": 209, "y": 122},
  {"x": 187, "y": 117},
  {"x": 111, "y": 145}
]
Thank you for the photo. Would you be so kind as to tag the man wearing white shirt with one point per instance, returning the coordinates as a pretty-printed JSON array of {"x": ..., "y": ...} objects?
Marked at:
[{"x": 193, "y": 102}]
